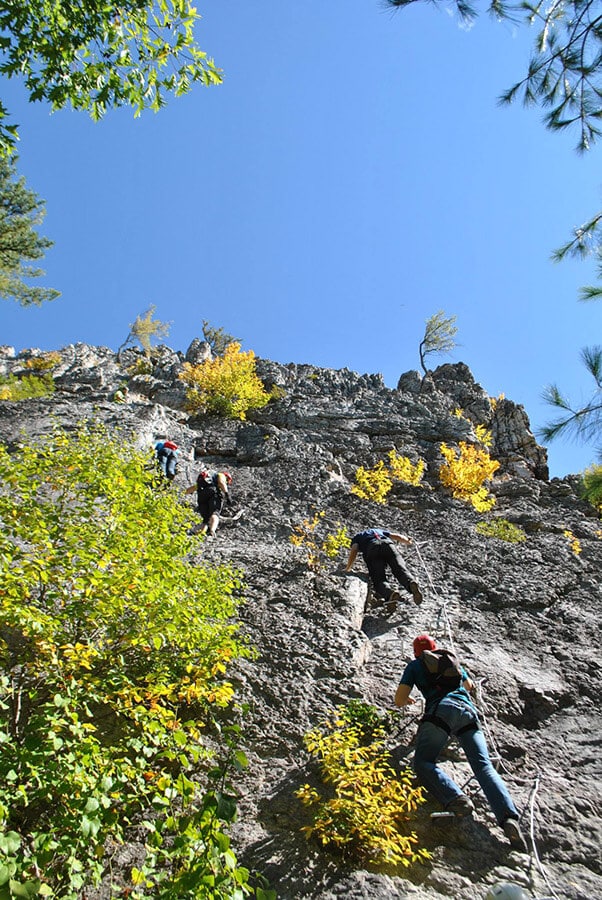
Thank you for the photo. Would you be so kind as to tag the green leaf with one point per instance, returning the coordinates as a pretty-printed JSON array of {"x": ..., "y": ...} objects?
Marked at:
[
  {"x": 25, "y": 889},
  {"x": 240, "y": 761},
  {"x": 226, "y": 808},
  {"x": 10, "y": 842}
]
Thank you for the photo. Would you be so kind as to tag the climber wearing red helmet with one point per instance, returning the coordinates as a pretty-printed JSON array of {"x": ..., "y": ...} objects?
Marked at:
[
  {"x": 450, "y": 713},
  {"x": 212, "y": 492}
]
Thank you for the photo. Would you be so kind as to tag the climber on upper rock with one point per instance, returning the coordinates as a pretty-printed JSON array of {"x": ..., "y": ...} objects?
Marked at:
[
  {"x": 378, "y": 547},
  {"x": 212, "y": 492}
]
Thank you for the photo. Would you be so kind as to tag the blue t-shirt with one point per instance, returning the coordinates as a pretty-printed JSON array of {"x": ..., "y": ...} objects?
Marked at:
[
  {"x": 366, "y": 537},
  {"x": 415, "y": 674}
]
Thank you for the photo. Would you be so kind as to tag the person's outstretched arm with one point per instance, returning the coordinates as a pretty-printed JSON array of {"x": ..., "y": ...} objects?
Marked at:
[
  {"x": 352, "y": 555},
  {"x": 400, "y": 538}
]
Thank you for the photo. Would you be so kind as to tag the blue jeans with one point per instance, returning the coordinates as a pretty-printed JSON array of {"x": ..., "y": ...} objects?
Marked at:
[{"x": 430, "y": 741}]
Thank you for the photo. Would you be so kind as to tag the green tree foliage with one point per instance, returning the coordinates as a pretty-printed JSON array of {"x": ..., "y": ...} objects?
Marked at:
[
  {"x": 227, "y": 385},
  {"x": 26, "y": 387},
  {"x": 591, "y": 486},
  {"x": 586, "y": 241},
  {"x": 20, "y": 244},
  {"x": 94, "y": 55},
  {"x": 366, "y": 812},
  {"x": 144, "y": 330},
  {"x": 564, "y": 75},
  {"x": 439, "y": 336},
  {"x": 217, "y": 338},
  {"x": 583, "y": 423},
  {"x": 114, "y": 649},
  {"x": 503, "y": 530}
]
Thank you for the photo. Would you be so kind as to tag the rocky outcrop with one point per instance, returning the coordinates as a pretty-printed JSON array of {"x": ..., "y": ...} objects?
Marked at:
[{"x": 524, "y": 617}]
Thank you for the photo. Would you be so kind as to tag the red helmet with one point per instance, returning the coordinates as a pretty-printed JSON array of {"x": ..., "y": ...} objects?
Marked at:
[
  {"x": 170, "y": 445},
  {"x": 423, "y": 642}
]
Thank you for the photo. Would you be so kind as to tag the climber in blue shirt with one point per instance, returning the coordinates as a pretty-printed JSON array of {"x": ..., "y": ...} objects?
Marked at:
[
  {"x": 378, "y": 547},
  {"x": 450, "y": 712}
]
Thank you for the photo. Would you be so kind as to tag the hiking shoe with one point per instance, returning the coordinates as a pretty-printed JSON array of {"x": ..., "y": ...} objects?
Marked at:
[
  {"x": 460, "y": 806},
  {"x": 512, "y": 831},
  {"x": 416, "y": 593},
  {"x": 391, "y": 603}
]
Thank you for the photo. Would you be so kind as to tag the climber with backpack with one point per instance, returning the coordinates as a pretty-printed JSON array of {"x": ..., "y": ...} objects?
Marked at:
[
  {"x": 167, "y": 453},
  {"x": 212, "y": 490},
  {"x": 449, "y": 712},
  {"x": 378, "y": 547}
]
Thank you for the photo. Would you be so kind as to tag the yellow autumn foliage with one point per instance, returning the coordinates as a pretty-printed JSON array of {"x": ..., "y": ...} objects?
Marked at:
[
  {"x": 305, "y": 536},
  {"x": 365, "y": 810},
  {"x": 227, "y": 385},
  {"x": 402, "y": 469},
  {"x": 465, "y": 472},
  {"x": 376, "y": 483}
]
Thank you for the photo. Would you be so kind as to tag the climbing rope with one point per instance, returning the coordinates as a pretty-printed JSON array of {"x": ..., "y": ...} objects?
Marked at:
[
  {"x": 482, "y": 707},
  {"x": 535, "y": 854},
  {"x": 442, "y": 613}
]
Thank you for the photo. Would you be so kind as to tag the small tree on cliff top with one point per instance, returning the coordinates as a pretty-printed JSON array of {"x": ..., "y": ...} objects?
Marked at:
[
  {"x": 439, "y": 336},
  {"x": 145, "y": 330}
]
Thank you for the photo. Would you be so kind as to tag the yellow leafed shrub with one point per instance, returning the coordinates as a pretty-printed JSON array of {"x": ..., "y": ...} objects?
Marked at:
[
  {"x": 375, "y": 483},
  {"x": 27, "y": 387},
  {"x": 483, "y": 435},
  {"x": 402, "y": 469},
  {"x": 366, "y": 809},
  {"x": 465, "y": 471},
  {"x": 372, "y": 484},
  {"x": 591, "y": 486},
  {"x": 227, "y": 385},
  {"x": 503, "y": 530},
  {"x": 574, "y": 542},
  {"x": 305, "y": 536},
  {"x": 45, "y": 362}
]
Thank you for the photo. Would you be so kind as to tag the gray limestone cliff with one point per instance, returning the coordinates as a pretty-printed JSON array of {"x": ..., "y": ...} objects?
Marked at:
[{"x": 524, "y": 618}]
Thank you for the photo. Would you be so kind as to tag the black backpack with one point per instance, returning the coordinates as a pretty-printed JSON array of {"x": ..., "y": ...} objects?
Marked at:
[
  {"x": 206, "y": 486},
  {"x": 443, "y": 668}
]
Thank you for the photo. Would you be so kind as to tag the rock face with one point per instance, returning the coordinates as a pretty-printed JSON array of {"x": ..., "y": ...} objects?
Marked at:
[{"x": 524, "y": 618}]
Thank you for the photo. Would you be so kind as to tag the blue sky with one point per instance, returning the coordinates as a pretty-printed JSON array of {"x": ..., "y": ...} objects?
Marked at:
[{"x": 351, "y": 177}]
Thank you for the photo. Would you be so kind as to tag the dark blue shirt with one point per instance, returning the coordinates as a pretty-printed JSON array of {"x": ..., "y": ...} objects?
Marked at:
[
  {"x": 366, "y": 537},
  {"x": 415, "y": 674}
]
